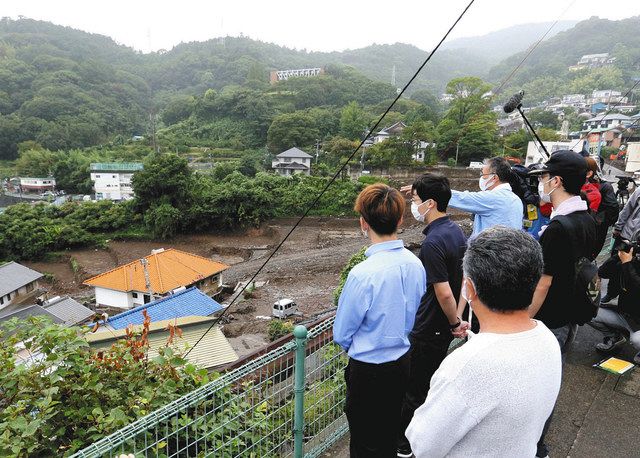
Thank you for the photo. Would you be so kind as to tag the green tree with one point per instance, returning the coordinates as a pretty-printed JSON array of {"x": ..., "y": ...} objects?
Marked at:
[
  {"x": 178, "y": 109},
  {"x": 469, "y": 99},
  {"x": 166, "y": 178},
  {"x": 353, "y": 121},
  {"x": 291, "y": 129},
  {"x": 164, "y": 220}
]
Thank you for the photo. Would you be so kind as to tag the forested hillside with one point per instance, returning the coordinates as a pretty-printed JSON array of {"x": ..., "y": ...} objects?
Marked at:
[
  {"x": 546, "y": 71},
  {"x": 63, "y": 88}
]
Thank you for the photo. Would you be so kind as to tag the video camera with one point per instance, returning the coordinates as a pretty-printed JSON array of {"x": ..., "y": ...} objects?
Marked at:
[{"x": 624, "y": 181}]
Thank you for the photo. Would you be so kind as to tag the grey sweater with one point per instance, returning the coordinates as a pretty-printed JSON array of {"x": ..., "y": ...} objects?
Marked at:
[{"x": 629, "y": 220}]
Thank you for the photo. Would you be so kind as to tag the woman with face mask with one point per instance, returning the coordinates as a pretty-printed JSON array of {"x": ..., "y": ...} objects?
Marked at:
[{"x": 376, "y": 313}]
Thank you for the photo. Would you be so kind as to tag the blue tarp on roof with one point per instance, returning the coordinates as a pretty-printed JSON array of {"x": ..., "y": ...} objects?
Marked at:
[{"x": 190, "y": 302}]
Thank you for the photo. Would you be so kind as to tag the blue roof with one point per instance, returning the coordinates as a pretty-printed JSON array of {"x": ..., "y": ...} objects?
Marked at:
[{"x": 190, "y": 302}]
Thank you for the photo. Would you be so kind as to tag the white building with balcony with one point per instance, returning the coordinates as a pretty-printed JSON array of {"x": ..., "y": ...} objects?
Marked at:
[
  {"x": 112, "y": 180},
  {"x": 292, "y": 161},
  {"x": 29, "y": 184}
]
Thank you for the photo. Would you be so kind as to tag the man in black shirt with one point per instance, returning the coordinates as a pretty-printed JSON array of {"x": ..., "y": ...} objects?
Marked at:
[
  {"x": 569, "y": 236},
  {"x": 436, "y": 320}
]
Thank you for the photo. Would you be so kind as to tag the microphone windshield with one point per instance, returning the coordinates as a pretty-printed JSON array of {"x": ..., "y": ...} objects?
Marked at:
[{"x": 514, "y": 102}]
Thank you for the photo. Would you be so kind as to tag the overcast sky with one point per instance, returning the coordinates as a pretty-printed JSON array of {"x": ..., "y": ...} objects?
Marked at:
[{"x": 327, "y": 25}]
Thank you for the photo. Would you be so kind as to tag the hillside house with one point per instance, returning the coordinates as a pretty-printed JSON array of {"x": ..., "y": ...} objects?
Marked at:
[
  {"x": 292, "y": 161},
  {"x": 391, "y": 131},
  {"x": 607, "y": 122},
  {"x": 155, "y": 276},
  {"x": 28, "y": 184},
  {"x": 16, "y": 281},
  {"x": 112, "y": 180}
]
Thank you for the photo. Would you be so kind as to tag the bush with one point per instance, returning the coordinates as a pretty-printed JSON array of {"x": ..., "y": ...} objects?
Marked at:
[
  {"x": 74, "y": 395},
  {"x": 372, "y": 179},
  {"x": 451, "y": 162},
  {"x": 355, "y": 260},
  {"x": 279, "y": 328}
]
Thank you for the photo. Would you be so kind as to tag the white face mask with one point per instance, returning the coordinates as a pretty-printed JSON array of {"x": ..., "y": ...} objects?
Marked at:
[
  {"x": 484, "y": 182},
  {"x": 415, "y": 211},
  {"x": 544, "y": 197},
  {"x": 463, "y": 291}
]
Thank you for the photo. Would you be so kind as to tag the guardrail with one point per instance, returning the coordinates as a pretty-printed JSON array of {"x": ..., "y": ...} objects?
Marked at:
[{"x": 288, "y": 402}]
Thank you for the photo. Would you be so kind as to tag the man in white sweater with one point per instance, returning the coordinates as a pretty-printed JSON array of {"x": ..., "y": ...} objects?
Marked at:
[{"x": 492, "y": 396}]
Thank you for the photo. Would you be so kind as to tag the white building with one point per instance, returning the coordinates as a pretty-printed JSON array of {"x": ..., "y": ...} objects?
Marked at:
[
  {"x": 608, "y": 121},
  {"x": 292, "y": 161},
  {"x": 37, "y": 184},
  {"x": 607, "y": 96},
  {"x": 388, "y": 132},
  {"x": 16, "y": 280},
  {"x": 112, "y": 181}
]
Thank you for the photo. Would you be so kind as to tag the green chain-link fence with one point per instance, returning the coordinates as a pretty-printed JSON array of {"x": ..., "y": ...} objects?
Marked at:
[{"x": 250, "y": 411}]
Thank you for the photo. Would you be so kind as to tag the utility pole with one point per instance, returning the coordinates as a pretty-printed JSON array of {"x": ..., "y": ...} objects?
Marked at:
[
  {"x": 152, "y": 118},
  {"x": 317, "y": 149},
  {"x": 457, "y": 148}
]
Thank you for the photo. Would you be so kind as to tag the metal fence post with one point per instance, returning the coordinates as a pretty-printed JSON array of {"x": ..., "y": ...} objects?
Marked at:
[{"x": 300, "y": 333}]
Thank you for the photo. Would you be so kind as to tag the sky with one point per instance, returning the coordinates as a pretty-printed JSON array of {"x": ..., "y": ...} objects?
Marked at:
[{"x": 327, "y": 25}]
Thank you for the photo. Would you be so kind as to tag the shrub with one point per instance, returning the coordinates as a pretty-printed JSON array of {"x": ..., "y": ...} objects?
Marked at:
[
  {"x": 279, "y": 328},
  {"x": 355, "y": 260},
  {"x": 75, "y": 395}
]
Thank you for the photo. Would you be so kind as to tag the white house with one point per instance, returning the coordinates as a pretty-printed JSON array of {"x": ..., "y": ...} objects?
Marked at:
[
  {"x": 28, "y": 184},
  {"x": 112, "y": 180},
  {"x": 607, "y": 96},
  {"x": 161, "y": 273},
  {"x": 391, "y": 131},
  {"x": 16, "y": 280},
  {"x": 608, "y": 121},
  {"x": 292, "y": 161}
]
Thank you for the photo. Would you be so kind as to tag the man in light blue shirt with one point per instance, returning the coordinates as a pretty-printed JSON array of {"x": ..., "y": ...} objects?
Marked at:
[
  {"x": 376, "y": 311},
  {"x": 378, "y": 304},
  {"x": 495, "y": 204}
]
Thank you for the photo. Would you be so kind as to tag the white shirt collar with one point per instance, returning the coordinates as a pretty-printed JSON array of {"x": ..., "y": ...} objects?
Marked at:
[{"x": 503, "y": 186}]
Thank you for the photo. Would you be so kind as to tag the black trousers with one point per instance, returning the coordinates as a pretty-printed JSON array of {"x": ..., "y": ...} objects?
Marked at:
[
  {"x": 373, "y": 404},
  {"x": 426, "y": 357}
]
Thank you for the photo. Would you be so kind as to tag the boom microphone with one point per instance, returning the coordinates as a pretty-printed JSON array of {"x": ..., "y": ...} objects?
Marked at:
[{"x": 514, "y": 102}]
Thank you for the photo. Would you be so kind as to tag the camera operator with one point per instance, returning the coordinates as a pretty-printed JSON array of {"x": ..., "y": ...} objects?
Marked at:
[
  {"x": 615, "y": 322},
  {"x": 625, "y": 228}
]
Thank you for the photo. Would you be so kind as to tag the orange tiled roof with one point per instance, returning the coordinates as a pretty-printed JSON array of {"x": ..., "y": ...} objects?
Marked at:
[{"x": 168, "y": 270}]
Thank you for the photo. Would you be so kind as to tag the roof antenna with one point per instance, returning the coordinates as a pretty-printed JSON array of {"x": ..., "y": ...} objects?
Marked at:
[{"x": 147, "y": 280}]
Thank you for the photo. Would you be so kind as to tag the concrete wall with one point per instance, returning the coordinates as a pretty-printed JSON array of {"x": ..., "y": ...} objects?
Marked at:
[{"x": 112, "y": 298}]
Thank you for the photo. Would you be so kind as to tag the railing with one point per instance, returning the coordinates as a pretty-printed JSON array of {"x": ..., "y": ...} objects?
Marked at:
[{"x": 261, "y": 409}]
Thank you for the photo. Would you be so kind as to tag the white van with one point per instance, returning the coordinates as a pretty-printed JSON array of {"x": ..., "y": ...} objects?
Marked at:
[
  {"x": 284, "y": 308},
  {"x": 476, "y": 165}
]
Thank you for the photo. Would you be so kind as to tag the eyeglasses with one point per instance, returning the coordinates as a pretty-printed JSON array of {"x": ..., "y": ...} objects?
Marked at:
[{"x": 485, "y": 174}]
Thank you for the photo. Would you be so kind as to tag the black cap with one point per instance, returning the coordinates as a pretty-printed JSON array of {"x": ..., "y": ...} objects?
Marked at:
[{"x": 563, "y": 163}]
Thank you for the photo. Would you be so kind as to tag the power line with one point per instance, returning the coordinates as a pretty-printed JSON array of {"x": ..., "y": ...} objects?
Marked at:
[{"x": 335, "y": 176}]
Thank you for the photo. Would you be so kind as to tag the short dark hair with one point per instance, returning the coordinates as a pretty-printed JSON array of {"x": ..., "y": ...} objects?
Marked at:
[
  {"x": 433, "y": 186},
  {"x": 505, "y": 265},
  {"x": 573, "y": 183},
  {"x": 501, "y": 168},
  {"x": 382, "y": 207}
]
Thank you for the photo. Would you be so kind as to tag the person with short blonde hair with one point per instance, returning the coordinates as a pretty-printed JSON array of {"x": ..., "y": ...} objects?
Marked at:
[{"x": 376, "y": 312}]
